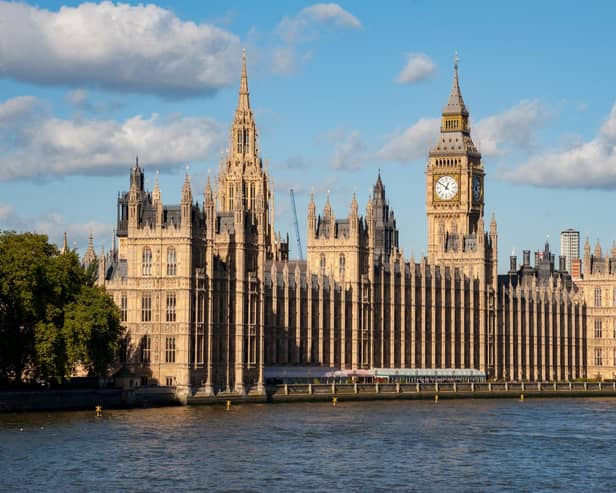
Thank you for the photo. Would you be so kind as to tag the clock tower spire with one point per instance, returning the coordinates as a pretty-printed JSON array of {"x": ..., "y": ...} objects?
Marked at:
[{"x": 454, "y": 189}]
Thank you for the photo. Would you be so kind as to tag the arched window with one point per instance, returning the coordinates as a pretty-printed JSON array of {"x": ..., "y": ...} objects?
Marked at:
[
  {"x": 231, "y": 197},
  {"x": 341, "y": 265},
  {"x": 322, "y": 264},
  {"x": 146, "y": 262},
  {"x": 171, "y": 262},
  {"x": 239, "y": 142},
  {"x": 246, "y": 140}
]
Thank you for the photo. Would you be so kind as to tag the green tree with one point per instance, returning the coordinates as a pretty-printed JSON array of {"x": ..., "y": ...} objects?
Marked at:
[
  {"x": 24, "y": 259},
  {"x": 92, "y": 331}
]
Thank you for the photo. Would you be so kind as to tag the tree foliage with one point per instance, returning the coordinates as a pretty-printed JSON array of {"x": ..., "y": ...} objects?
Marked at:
[{"x": 38, "y": 288}]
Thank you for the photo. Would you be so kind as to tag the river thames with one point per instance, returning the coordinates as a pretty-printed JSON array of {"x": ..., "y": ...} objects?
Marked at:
[{"x": 463, "y": 445}]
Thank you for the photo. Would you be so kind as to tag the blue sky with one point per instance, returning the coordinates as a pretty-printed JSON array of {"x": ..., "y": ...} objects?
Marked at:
[{"x": 339, "y": 91}]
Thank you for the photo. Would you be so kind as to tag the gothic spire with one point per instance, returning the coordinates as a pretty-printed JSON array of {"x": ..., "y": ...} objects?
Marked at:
[
  {"x": 64, "y": 244},
  {"x": 244, "y": 98},
  {"x": 186, "y": 190},
  {"x": 455, "y": 104}
]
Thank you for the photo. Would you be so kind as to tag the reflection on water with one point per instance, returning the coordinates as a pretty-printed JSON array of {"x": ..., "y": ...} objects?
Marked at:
[{"x": 472, "y": 445}]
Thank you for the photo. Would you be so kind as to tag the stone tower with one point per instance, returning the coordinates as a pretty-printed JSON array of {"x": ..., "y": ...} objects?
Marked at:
[{"x": 455, "y": 193}]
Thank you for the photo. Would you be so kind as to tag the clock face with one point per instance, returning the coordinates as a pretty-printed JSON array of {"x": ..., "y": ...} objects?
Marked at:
[
  {"x": 446, "y": 187},
  {"x": 476, "y": 187}
]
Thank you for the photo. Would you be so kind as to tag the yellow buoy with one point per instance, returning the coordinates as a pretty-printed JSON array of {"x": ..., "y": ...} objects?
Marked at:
[
  {"x": 334, "y": 400},
  {"x": 99, "y": 411},
  {"x": 228, "y": 405}
]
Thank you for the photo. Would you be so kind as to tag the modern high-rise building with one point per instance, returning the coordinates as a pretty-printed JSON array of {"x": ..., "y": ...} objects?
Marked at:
[{"x": 570, "y": 246}]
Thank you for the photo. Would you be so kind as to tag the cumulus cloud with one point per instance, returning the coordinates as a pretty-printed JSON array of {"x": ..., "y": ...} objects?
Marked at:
[
  {"x": 54, "y": 225},
  {"x": 349, "y": 152},
  {"x": 306, "y": 24},
  {"x": 50, "y": 146},
  {"x": 120, "y": 47},
  {"x": 418, "y": 67},
  {"x": 514, "y": 128},
  {"x": 412, "y": 143},
  {"x": 590, "y": 164}
]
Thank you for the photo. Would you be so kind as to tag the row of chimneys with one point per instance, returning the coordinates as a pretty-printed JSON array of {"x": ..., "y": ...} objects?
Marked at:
[{"x": 513, "y": 261}]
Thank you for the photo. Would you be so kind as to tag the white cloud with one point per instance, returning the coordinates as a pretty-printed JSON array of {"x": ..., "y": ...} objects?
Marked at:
[
  {"x": 514, "y": 128},
  {"x": 412, "y": 143},
  {"x": 51, "y": 146},
  {"x": 306, "y": 24},
  {"x": 591, "y": 164},
  {"x": 349, "y": 152},
  {"x": 284, "y": 60},
  {"x": 54, "y": 225},
  {"x": 17, "y": 109},
  {"x": 120, "y": 47},
  {"x": 419, "y": 67}
]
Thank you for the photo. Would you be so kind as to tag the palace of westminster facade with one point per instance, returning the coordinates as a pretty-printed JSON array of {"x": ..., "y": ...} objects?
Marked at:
[{"x": 210, "y": 298}]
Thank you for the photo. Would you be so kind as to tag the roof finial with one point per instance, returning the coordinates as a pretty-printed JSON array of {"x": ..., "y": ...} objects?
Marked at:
[{"x": 456, "y": 60}]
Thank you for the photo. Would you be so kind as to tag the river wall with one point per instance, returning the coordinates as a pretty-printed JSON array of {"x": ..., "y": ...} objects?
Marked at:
[{"x": 68, "y": 400}]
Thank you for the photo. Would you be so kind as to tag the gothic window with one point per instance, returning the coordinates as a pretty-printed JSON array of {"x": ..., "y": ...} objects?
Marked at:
[
  {"x": 614, "y": 329},
  {"x": 146, "y": 262},
  {"x": 124, "y": 307},
  {"x": 144, "y": 349},
  {"x": 146, "y": 308},
  {"x": 239, "y": 142},
  {"x": 170, "y": 350},
  {"x": 598, "y": 357},
  {"x": 598, "y": 329},
  {"x": 322, "y": 264},
  {"x": 171, "y": 261},
  {"x": 231, "y": 196},
  {"x": 246, "y": 140},
  {"x": 614, "y": 297},
  {"x": 341, "y": 265},
  {"x": 170, "y": 307},
  {"x": 169, "y": 381},
  {"x": 252, "y": 196},
  {"x": 597, "y": 296}
]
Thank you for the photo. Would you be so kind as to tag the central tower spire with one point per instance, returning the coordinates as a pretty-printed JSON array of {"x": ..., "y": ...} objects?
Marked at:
[{"x": 244, "y": 99}]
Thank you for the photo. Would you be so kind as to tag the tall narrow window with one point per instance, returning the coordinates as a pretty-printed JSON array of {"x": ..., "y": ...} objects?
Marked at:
[
  {"x": 341, "y": 266},
  {"x": 239, "y": 141},
  {"x": 146, "y": 308},
  {"x": 124, "y": 307},
  {"x": 170, "y": 307},
  {"x": 171, "y": 262},
  {"x": 252, "y": 196},
  {"x": 614, "y": 297},
  {"x": 170, "y": 350},
  {"x": 246, "y": 140},
  {"x": 322, "y": 264},
  {"x": 598, "y": 357},
  {"x": 146, "y": 262},
  {"x": 144, "y": 349},
  {"x": 598, "y": 329},
  {"x": 231, "y": 196},
  {"x": 597, "y": 296}
]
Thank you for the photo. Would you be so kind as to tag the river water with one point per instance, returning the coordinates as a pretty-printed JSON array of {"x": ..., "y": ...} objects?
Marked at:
[{"x": 465, "y": 445}]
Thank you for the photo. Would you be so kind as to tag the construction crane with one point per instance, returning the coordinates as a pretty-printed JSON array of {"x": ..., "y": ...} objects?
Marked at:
[{"x": 300, "y": 255}]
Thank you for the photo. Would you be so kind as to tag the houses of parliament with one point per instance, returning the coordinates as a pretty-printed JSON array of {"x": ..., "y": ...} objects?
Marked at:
[{"x": 210, "y": 298}]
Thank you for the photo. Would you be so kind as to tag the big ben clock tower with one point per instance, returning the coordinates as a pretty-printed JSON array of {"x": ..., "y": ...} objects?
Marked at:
[{"x": 455, "y": 193}]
